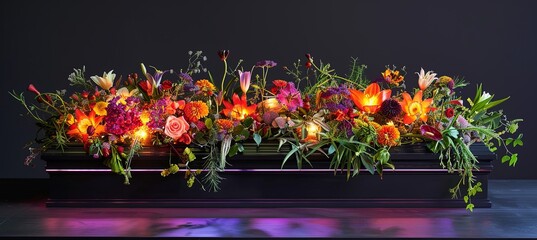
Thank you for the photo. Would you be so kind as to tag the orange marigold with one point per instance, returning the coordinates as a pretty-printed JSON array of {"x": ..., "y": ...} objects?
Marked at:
[
  {"x": 195, "y": 110},
  {"x": 224, "y": 124},
  {"x": 375, "y": 125},
  {"x": 206, "y": 86},
  {"x": 388, "y": 135}
]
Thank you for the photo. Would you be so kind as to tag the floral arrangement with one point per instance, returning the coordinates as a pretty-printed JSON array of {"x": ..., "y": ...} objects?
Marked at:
[{"x": 348, "y": 118}]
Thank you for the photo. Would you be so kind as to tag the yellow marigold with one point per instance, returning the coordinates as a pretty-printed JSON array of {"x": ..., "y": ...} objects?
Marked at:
[
  {"x": 195, "y": 110},
  {"x": 388, "y": 135},
  {"x": 100, "y": 108},
  {"x": 224, "y": 124},
  {"x": 206, "y": 86}
]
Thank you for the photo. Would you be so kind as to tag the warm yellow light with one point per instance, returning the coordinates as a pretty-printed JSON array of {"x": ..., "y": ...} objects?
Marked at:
[
  {"x": 271, "y": 104},
  {"x": 312, "y": 129},
  {"x": 141, "y": 134},
  {"x": 145, "y": 117}
]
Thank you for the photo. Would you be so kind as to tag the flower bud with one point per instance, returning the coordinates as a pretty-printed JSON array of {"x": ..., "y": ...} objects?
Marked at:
[
  {"x": 90, "y": 130},
  {"x": 32, "y": 88},
  {"x": 223, "y": 54},
  {"x": 106, "y": 152}
]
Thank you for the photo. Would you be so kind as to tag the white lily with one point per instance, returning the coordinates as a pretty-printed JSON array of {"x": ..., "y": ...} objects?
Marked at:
[
  {"x": 106, "y": 81},
  {"x": 484, "y": 96},
  {"x": 425, "y": 79}
]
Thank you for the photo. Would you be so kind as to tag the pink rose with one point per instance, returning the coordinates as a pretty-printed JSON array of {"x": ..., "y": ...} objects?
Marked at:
[{"x": 176, "y": 127}]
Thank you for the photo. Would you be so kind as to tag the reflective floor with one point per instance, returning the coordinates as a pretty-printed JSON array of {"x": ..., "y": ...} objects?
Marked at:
[{"x": 513, "y": 215}]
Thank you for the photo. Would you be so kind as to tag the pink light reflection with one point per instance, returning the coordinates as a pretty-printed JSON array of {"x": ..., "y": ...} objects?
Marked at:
[{"x": 97, "y": 227}]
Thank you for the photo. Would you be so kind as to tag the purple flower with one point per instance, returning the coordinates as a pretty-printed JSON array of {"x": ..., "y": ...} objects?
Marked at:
[
  {"x": 122, "y": 118},
  {"x": 341, "y": 90},
  {"x": 334, "y": 107},
  {"x": 290, "y": 97},
  {"x": 158, "y": 114},
  {"x": 347, "y": 103},
  {"x": 185, "y": 77},
  {"x": 346, "y": 127},
  {"x": 266, "y": 63}
]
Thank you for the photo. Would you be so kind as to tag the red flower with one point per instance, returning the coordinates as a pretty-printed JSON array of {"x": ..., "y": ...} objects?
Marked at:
[
  {"x": 308, "y": 62},
  {"x": 449, "y": 112},
  {"x": 278, "y": 84},
  {"x": 147, "y": 87},
  {"x": 166, "y": 84},
  {"x": 185, "y": 138},
  {"x": 430, "y": 132},
  {"x": 40, "y": 99},
  {"x": 456, "y": 102}
]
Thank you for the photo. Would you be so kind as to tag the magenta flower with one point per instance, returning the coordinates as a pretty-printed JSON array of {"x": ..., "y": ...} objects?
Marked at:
[{"x": 290, "y": 97}]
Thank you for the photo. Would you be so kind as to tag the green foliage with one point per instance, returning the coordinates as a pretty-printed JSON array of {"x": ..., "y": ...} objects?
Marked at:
[{"x": 77, "y": 78}]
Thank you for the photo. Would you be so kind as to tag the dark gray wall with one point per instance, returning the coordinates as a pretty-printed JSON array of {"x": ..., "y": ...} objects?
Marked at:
[{"x": 489, "y": 42}]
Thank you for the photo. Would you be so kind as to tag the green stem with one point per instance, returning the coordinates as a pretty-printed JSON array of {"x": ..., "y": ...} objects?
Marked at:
[
  {"x": 331, "y": 76},
  {"x": 224, "y": 76}
]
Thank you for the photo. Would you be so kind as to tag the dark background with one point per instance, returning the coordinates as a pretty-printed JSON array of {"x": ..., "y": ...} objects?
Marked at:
[{"x": 489, "y": 42}]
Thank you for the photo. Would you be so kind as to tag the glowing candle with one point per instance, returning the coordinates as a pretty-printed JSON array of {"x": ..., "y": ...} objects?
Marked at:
[
  {"x": 312, "y": 130},
  {"x": 271, "y": 105}
]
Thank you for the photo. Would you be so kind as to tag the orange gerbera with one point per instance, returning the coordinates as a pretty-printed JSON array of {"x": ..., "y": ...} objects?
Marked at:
[
  {"x": 195, "y": 110},
  {"x": 239, "y": 109},
  {"x": 415, "y": 107},
  {"x": 388, "y": 135},
  {"x": 224, "y": 124},
  {"x": 206, "y": 86},
  {"x": 370, "y": 100},
  {"x": 86, "y": 126}
]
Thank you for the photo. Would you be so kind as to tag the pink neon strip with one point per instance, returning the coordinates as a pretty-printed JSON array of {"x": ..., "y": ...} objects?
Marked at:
[{"x": 252, "y": 170}]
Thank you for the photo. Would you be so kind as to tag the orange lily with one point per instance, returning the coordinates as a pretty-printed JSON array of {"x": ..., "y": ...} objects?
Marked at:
[
  {"x": 415, "y": 107},
  {"x": 370, "y": 100},
  {"x": 239, "y": 110},
  {"x": 86, "y": 125}
]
